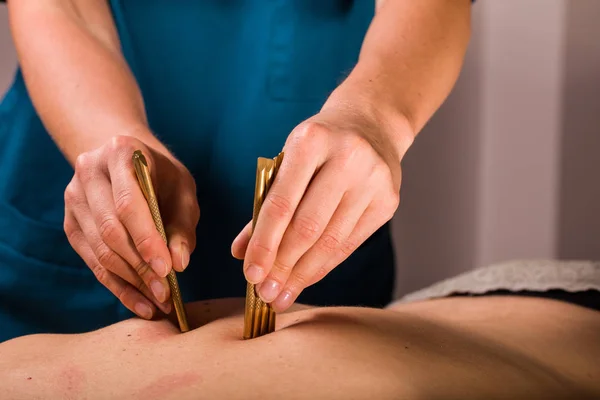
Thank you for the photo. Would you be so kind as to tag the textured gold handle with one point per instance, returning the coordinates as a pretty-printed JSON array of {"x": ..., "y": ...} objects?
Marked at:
[
  {"x": 259, "y": 317},
  {"x": 143, "y": 174}
]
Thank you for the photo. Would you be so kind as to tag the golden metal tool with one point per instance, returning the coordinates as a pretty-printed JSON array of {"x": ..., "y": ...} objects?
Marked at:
[
  {"x": 259, "y": 317},
  {"x": 143, "y": 175}
]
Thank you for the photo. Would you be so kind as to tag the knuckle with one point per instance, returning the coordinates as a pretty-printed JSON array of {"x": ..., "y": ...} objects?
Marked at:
[
  {"x": 106, "y": 257},
  {"x": 83, "y": 161},
  {"x": 258, "y": 247},
  {"x": 85, "y": 166},
  {"x": 120, "y": 148},
  {"x": 280, "y": 268},
  {"x": 71, "y": 194},
  {"x": 348, "y": 247},
  {"x": 109, "y": 229},
  {"x": 124, "y": 205},
  {"x": 308, "y": 135},
  {"x": 309, "y": 130},
  {"x": 320, "y": 274},
  {"x": 143, "y": 244},
  {"x": 279, "y": 206},
  {"x": 306, "y": 227},
  {"x": 120, "y": 143},
  {"x": 71, "y": 231},
  {"x": 330, "y": 241},
  {"x": 142, "y": 268},
  {"x": 100, "y": 273},
  {"x": 298, "y": 282},
  {"x": 140, "y": 285}
]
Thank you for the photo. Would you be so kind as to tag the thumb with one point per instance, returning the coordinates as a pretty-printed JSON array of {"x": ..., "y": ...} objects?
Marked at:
[
  {"x": 181, "y": 235},
  {"x": 180, "y": 246},
  {"x": 180, "y": 252},
  {"x": 183, "y": 217}
]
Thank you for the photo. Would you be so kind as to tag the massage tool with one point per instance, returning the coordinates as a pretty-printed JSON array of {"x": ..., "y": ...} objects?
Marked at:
[
  {"x": 143, "y": 176},
  {"x": 259, "y": 317}
]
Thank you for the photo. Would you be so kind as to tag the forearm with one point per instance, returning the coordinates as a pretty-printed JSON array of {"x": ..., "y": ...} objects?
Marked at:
[
  {"x": 77, "y": 77},
  {"x": 409, "y": 62}
]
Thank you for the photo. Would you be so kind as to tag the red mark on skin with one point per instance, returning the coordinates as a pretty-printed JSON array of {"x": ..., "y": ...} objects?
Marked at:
[
  {"x": 71, "y": 380},
  {"x": 168, "y": 385}
]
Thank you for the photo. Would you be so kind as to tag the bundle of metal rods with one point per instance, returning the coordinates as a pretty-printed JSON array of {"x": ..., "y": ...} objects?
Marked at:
[
  {"x": 143, "y": 174},
  {"x": 259, "y": 317}
]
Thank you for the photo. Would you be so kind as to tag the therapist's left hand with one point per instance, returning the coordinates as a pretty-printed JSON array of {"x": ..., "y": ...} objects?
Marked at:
[{"x": 338, "y": 183}]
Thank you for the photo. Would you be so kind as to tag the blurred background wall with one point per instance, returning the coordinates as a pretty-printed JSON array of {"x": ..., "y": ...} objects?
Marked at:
[{"x": 509, "y": 167}]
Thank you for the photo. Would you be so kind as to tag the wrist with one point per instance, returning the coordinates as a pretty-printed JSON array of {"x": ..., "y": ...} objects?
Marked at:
[
  {"x": 143, "y": 133},
  {"x": 391, "y": 124}
]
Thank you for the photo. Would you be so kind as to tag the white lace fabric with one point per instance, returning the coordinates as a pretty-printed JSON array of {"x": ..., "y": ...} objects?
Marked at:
[{"x": 518, "y": 275}]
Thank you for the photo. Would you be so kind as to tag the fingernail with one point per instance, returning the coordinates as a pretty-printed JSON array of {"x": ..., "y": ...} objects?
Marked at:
[
  {"x": 158, "y": 290},
  {"x": 185, "y": 256},
  {"x": 254, "y": 274},
  {"x": 143, "y": 310},
  {"x": 159, "y": 266},
  {"x": 269, "y": 290},
  {"x": 284, "y": 301}
]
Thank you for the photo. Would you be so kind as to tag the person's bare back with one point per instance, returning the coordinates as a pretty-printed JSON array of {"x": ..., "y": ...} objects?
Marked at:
[{"x": 467, "y": 348}]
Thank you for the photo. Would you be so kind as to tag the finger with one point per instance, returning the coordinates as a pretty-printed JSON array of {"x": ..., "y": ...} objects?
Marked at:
[
  {"x": 131, "y": 298},
  {"x": 157, "y": 290},
  {"x": 109, "y": 230},
  {"x": 181, "y": 228},
  {"x": 343, "y": 222},
  {"x": 379, "y": 211},
  {"x": 301, "y": 160},
  {"x": 180, "y": 250},
  {"x": 372, "y": 219},
  {"x": 133, "y": 212},
  {"x": 112, "y": 262},
  {"x": 312, "y": 216},
  {"x": 240, "y": 243}
]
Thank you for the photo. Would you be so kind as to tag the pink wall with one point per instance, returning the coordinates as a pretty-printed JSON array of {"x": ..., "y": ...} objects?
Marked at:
[
  {"x": 579, "y": 216},
  {"x": 508, "y": 167}
]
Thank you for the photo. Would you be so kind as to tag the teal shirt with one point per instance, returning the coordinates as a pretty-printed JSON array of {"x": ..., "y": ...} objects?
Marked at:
[{"x": 224, "y": 82}]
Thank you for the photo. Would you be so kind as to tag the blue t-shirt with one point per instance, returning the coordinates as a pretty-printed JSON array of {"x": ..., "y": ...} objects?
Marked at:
[{"x": 224, "y": 82}]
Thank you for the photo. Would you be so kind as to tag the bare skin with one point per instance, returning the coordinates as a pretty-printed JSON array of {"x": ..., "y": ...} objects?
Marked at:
[{"x": 467, "y": 348}]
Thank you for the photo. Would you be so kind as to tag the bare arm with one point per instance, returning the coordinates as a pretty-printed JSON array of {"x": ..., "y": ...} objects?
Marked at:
[
  {"x": 78, "y": 79},
  {"x": 90, "y": 103},
  {"x": 409, "y": 62},
  {"x": 340, "y": 179}
]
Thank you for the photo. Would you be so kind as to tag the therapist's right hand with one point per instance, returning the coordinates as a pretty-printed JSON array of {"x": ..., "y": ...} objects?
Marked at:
[{"x": 108, "y": 222}]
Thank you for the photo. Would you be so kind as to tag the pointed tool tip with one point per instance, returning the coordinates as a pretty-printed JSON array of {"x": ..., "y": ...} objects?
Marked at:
[{"x": 138, "y": 155}]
